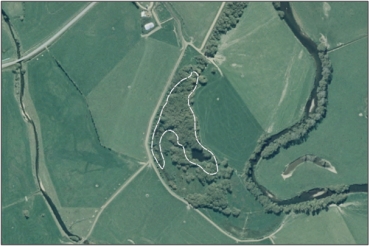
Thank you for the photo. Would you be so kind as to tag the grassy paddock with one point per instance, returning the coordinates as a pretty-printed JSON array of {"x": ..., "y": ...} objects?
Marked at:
[
  {"x": 8, "y": 51},
  {"x": 96, "y": 43},
  {"x": 191, "y": 14},
  {"x": 39, "y": 228},
  {"x": 339, "y": 22},
  {"x": 227, "y": 126},
  {"x": 83, "y": 172},
  {"x": 153, "y": 216},
  {"x": 16, "y": 169},
  {"x": 341, "y": 138},
  {"x": 167, "y": 34},
  {"x": 41, "y": 20},
  {"x": 138, "y": 79},
  {"x": 162, "y": 12},
  {"x": 273, "y": 79},
  {"x": 346, "y": 224}
]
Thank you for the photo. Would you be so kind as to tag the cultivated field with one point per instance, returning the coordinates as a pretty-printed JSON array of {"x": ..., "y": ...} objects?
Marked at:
[
  {"x": 16, "y": 165},
  {"x": 39, "y": 228},
  {"x": 341, "y": 138},
  {"x": 192, "y": 14},
  {"x": 35, "y": 22},
  {"x": 95, "y": 44},
  {"x": 273, "y": 79},
  {"x": 338, "y": 22},
  {"x": 346, "y": 224},
  {"x": 121, "y": 124},
  {"x": 147, "y": 214},
  {"x": 84, "y": 173}
]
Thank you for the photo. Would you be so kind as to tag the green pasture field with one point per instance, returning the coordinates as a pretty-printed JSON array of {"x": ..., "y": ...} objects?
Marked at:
[
  {"x": 346, "y": 224},
  {"x": 196, "y": 18},
  {"x": 166, "y": 34},
  {"x": 227, "y": 127},
  {"x": 83, "y": 172},
  {"x": 41, "y": 19},
  {"x": 122, "y": 103},
  {"x": 339, "y": 22},
  {"x": 162, "y": 12},
  {"x": 16, "y": 164},
  {"x": 8, "y": 51},
  {"x": 355, "y": 214},
  {"x": 147, "y": 214},
  {"x": 340, "y": 138},
  {"x": 96, "y": 43},
  {"x": 273, "y": 78},
  {"x": 39, "y": 228},
  {"x": 78, "y": 219}
]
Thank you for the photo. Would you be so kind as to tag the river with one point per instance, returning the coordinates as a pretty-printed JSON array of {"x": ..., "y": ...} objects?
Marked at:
[{"x": 311, "y": 47}]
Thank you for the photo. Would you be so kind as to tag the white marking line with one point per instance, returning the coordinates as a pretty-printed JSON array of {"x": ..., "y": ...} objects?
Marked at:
[{"x": 195, "y": 133}]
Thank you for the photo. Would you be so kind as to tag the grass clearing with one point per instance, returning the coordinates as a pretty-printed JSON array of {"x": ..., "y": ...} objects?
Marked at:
[
  {"x": 227, "y": 126},
  {"x": 16, "y": 169},
  {"x": 153, "y": 216},
  {"x": 346, "y": 224},
  {"x": 339, "y": 22},
  {"x": 114, "y": 102},
  {"x": 167, "y": 34},
  {"x": 83, "y": 172},
  {"x": 191, "y": 13},
  {"x": 341, "y": 138},
  {"x": 41, "y": 20},
  {"x": 273, "y": 79},
  {"x": 8, "y": 51},
  {"x": 162, "y": 12},
  {"x": 39, "y": 228},
  {"x": 95, "y": 44}
]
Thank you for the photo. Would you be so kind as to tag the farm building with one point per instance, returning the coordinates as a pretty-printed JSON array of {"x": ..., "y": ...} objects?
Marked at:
[{"x": 149, "y": 26}]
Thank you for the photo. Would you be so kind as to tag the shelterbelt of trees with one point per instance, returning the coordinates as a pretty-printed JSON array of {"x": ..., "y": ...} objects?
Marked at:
[{"x": 228, "y": 19}]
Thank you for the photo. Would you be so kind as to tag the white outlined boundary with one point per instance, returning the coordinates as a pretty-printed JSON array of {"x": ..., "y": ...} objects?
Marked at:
[{"x": 195, "y": 133}]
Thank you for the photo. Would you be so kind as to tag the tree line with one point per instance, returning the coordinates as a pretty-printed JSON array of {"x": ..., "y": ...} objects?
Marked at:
[
  {"x": 298, "y": 133},
  {"x": 227, "y": 20}
]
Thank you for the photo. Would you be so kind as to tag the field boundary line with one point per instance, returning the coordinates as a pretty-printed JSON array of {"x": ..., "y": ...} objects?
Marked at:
[
  {"x": 348, "y": 43},
  {"x": 105, "y": 205},
  {"x": 195, "y": 132},
  {"x": 53, "y": 38}
]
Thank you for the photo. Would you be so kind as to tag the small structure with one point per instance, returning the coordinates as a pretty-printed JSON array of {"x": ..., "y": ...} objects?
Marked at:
[
  {"x": 144, "y": 14},
  {"x": 149, "y": 26}
]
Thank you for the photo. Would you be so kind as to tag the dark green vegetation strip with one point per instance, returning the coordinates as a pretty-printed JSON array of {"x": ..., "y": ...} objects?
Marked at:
[
  {"x": 82, "y": 170},
  {"x": 226, "y": 21},
  {"x": 306, "y": 158}
]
